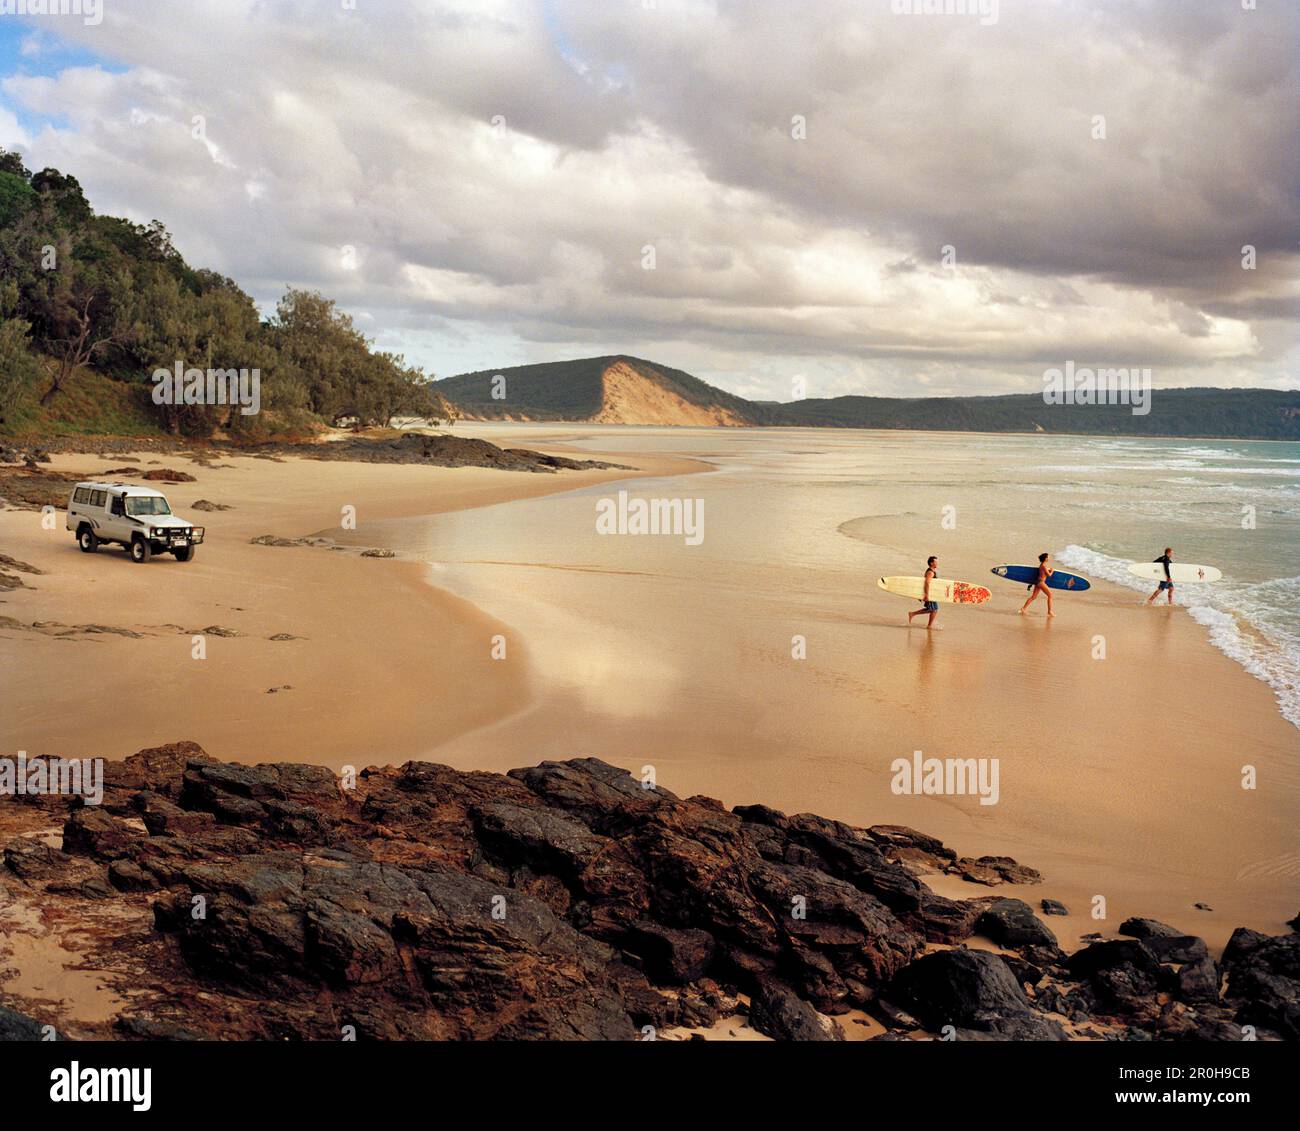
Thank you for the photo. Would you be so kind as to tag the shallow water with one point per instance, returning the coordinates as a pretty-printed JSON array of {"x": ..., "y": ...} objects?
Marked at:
[
  {"x": 765, "y": 665},
  {"x": 794, "y": 515}
]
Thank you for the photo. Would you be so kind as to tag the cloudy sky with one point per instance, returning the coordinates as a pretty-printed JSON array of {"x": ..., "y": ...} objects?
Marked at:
[{"x": 477, "y": 181}]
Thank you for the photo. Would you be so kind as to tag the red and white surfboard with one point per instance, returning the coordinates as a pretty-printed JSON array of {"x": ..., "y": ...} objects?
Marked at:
[{"x": 951, "y": 592}]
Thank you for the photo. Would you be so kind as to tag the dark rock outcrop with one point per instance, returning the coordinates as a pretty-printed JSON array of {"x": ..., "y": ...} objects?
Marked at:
[
  {"x": 569, "y": 900},
  {"x": 969, "y": 990},
  {"x": 1012, "y": 923},
  {"x": 1264, "y": 980},
  {"x": 30, "y": 858},
  {"x": 779, "y": 1013},
  {"x": 1146, "y": 928},
  {"x": 15, "y": 1026},
  {"x": 672, "y": 956},
  {"x": 1127, "y": 977},
  {"x": 440, "y": 450}
]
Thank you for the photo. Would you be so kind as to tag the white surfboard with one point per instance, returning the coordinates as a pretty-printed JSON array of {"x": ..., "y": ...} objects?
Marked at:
[
  {"x": 951, "y": 592},
  {"x": 1181, "y": 572}
]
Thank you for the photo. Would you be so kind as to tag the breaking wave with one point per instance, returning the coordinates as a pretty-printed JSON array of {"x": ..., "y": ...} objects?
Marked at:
[{"x": 1248, "y": 623}]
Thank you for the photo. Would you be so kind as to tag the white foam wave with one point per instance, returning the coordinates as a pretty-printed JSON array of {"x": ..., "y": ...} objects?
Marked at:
[
  {"x": 1245, "y": 622},
  {"x": 1208, "y": 453},
  {"x": 1277, "y": 472},
  {"x": 1172, "y": 464}
]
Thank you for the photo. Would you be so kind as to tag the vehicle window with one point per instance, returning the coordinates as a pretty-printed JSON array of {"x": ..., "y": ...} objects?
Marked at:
[
  {"x": 97, "y": 498},
  {"x": 147, "y": 504},
  {"x": 79, "y": 495}
]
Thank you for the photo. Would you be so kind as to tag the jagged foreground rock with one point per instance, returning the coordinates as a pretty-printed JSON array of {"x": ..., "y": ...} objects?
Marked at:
[{"x": 567, "y": 901}]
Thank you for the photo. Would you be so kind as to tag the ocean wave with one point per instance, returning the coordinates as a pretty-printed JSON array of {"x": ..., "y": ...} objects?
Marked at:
[
  {"x": 1279, "y": 472},
  {"x": 1208, "y": 453},
  {"x": 1219, "y": 485},
  {"x": 1135, "y": 465},
  {"x": 1079, "y": 487},
  {"x": 1247, "y": 623}
]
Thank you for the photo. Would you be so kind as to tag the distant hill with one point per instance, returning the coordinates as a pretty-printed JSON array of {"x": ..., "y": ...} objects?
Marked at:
[
  {"x": 1247, "y": 414},
  {"x": 627, "y": 390},
  {"x": 604, "y": 390}
]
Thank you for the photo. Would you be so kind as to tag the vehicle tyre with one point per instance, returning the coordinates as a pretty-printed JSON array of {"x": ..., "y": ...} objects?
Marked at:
[
  {"x": 185, "y": 554},
  {"x": 87, "y": 541},
  {"x": 140, "y": 552}
]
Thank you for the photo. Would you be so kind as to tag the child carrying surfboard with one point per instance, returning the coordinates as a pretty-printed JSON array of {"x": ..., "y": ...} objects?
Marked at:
[
  {"x": 1040, "y": 586},
  {"x": 928, "y": 606},
  {"x": 1166, "y": 559}
]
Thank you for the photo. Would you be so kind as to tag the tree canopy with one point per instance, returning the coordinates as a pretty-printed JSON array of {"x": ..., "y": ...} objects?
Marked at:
[{"x": 82, "y": 290}]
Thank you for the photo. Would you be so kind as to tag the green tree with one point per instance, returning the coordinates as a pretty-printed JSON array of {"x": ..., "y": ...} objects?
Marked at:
[
  {"x": 87, "y": 290},
  {"x": 16, "y": 196},
  {"x": 19, "y": 368},
  {"x": 87, "y": 311},
  {"x": 319, "y": 353}
]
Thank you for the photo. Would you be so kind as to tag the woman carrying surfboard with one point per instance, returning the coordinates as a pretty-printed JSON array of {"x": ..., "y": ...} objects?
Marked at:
[
  {"x": 927, "y": 606},
  {"x": 1166, "y": 559},
  {"x": 1040, "y": 586}
]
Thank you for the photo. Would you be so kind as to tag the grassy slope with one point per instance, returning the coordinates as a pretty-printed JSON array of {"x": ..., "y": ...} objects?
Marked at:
[
  {"x": 89, "y": 404},
  {"x": 560, "y": 390}
]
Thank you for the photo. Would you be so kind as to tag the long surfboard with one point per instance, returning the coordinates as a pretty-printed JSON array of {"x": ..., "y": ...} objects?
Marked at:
[
  {"x": 1027, "y": 575},
  {"x": 1180, "y": 571},
  {"x": 953, "y": 592}
]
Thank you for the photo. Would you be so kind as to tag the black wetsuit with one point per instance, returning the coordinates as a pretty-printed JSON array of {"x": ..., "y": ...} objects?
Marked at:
[{"x": 1165, "y": 561}]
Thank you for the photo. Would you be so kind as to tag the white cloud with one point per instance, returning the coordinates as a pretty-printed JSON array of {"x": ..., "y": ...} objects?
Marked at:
[{"x": 498, "y": 174}]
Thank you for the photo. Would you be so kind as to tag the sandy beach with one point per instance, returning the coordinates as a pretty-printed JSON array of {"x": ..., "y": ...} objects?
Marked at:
[
  {"x": 383, "y": 667},
  {"x": 1119, "y": 779},
  {"x": 738, "y": 523}
]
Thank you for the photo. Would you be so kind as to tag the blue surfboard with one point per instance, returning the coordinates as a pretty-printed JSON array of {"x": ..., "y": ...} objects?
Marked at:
[{"x": 1027, "y": 575}]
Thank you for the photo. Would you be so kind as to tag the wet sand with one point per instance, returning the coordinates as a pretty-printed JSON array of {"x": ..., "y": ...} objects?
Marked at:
[
  {"x": 385, "y": 667},
  {"x": 1119, "y": 778},
  {"x": 1121, "y": 734}
]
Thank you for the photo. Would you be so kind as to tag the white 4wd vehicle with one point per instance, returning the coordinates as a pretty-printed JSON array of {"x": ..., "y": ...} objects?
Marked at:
[{"x": 138, "y": 518}]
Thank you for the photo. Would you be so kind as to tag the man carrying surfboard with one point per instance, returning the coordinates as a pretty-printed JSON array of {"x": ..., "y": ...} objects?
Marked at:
[
  {"x": 1040, "y": 586},
  {"x": 1166, "y": 559},
  {"x": 927, "y": 606}
]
